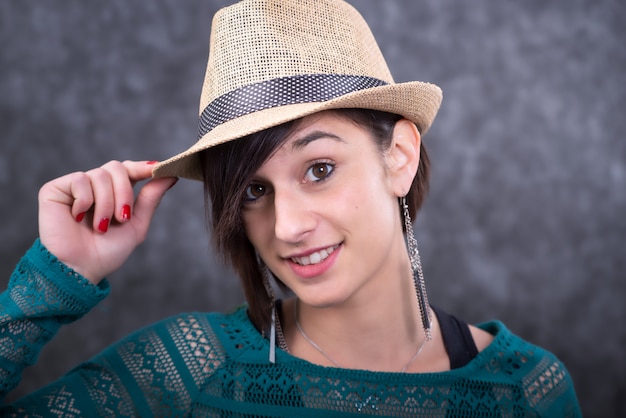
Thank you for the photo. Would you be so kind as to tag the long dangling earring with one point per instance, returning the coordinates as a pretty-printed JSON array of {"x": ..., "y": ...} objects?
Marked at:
[
  {"x": 276, "y": 335},
  {"x": 272, "y": 297},
  {"x": 416, "y": 268}
]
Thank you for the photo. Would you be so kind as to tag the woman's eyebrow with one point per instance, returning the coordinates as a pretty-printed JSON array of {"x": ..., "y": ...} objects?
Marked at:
[{"x": 315, "y": 135}]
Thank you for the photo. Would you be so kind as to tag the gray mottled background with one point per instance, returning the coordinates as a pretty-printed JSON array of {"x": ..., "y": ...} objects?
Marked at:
[{"x": 526, "y": 217}]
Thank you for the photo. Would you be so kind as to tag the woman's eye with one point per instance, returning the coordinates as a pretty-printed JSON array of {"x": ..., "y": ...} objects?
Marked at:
[
  {"x": 255, "y": 191},
  {"x": 319, "y": 171}
]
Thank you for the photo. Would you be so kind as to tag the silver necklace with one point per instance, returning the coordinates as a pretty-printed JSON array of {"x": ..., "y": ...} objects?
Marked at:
[{"x": 325, "y": 354}]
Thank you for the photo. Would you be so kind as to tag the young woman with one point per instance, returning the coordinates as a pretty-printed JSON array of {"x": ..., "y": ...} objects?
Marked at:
[{"x": 313, "y": 166}]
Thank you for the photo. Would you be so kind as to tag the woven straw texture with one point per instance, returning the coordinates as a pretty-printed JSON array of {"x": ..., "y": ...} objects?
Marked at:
[{"x": 254, "y": 42}]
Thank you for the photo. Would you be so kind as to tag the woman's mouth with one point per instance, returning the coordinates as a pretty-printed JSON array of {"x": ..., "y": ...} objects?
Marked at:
[{"x": 314, "y": 258}]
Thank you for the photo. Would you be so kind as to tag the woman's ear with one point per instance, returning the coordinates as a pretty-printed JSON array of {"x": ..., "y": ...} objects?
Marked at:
[{"x": 403, "y": 156}]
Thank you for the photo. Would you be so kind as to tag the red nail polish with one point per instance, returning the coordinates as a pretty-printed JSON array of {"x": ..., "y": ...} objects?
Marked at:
[
  {"x": 126, "y": 212},
  {"x": 103, "y": 226},
  {"x": 80, "y": 217},
  {"x": 152, "y": 162}
]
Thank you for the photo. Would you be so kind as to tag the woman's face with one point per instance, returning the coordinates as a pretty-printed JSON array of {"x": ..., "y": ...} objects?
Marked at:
[{"x": 322, "y": 212}]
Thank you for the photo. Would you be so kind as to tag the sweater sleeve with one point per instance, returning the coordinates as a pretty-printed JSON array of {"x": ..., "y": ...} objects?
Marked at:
[
  {"x": 526, "y": 376},
  {"x": 156, "y": 371},
  {"x": 549, "y": 389},
  {"x": 43, "y": 294}
]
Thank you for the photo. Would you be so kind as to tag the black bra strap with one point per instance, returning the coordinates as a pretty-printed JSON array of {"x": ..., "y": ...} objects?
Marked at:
[{"x": 457, "y": 339}]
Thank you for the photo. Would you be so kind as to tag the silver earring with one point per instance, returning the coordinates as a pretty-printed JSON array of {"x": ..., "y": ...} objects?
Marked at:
[
  {"x": 270, "y": 293},
  {"x": 416, "y": 268}
]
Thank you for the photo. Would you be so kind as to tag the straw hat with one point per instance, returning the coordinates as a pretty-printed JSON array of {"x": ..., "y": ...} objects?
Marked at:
[{"x": 272, "y": 61}]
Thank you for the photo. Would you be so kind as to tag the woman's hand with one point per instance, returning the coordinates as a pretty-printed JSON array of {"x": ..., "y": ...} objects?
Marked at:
[{"x": 92, "y": 222}]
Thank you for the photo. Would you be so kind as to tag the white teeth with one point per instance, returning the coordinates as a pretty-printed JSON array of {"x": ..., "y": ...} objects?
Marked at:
[{"x": 316, "y": 257}]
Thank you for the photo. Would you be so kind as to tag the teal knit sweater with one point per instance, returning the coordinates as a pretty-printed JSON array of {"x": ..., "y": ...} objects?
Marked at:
[{"x": 199, "y": 364}]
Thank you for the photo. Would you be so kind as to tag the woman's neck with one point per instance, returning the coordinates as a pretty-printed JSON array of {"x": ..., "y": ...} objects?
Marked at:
[{"x": 376, "y": 330}]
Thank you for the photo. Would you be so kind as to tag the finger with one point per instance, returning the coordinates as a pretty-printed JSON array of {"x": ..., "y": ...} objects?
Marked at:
[
  {"x": 72, "y": 190},
  {"x": 104, "y": 200},
  {"x": 82, "y": 194},
  {"x": 122, "y": 189},
  {"x": 139, "y": 170},
  {"x": 148, "y": 200}
]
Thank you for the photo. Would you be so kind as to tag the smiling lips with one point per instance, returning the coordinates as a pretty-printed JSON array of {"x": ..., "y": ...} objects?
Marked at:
[{"x": 314, "y": 258}]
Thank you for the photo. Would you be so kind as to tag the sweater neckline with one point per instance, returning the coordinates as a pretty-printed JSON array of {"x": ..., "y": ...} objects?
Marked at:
[{"x": 496, "y": 328}]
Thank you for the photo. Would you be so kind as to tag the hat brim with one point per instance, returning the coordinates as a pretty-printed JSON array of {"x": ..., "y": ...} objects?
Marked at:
[{"x": 417, "y": 101}]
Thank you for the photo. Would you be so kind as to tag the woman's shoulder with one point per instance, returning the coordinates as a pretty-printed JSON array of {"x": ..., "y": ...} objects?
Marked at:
[
  {"x": 202, "y": 341},
  {"x": 224, "y": 334},
  {"x": 211, "y": 325},
  {"x": 511, "y": 352},
  {"x": 540, "y": 376}
]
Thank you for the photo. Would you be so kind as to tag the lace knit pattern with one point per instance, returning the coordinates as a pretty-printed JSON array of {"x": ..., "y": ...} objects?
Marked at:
[
  {"x": 214, "y": 365},
  {"x": 43, "y": 294}
]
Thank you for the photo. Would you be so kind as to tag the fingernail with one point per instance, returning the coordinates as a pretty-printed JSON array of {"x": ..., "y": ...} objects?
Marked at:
[
  {"x": 126, "y": 212},
  {"x": 152, "y": 162},
  {"x": 103, "y": 226},
  {"x": 80, "y": 217}
]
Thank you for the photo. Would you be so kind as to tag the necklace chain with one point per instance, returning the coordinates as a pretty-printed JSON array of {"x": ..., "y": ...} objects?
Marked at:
[{"x": 325, "y": 354}]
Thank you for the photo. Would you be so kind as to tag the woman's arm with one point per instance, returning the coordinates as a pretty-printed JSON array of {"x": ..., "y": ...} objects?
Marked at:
[
  {"x": 43, "y": 294},
  {"x": 89, "y": 223},
  {"x": 156, "y": 371}
]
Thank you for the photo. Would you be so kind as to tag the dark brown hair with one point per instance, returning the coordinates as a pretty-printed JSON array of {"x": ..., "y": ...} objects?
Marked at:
[{"x": 228, "y": 169}]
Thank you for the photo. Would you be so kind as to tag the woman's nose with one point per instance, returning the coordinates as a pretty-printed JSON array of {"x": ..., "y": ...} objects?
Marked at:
[{"x": 293, "y": 217}]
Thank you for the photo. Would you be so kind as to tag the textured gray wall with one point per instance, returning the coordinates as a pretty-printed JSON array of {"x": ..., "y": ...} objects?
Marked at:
[{"x": 525, "y": 221}]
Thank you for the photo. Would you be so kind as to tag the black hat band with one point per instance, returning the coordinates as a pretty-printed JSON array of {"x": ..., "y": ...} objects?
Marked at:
[{"x": 306, "y": 88}]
